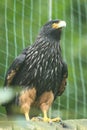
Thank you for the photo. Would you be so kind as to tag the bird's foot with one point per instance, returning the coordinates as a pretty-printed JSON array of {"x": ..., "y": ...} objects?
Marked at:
[
  {"x": 49, "y": 120},
  {"x": 46, "y": 119},
  {"x": 41, "y": 119},
  {"x": 57, "y": 119},
  {"x": 36, "y": 119}
]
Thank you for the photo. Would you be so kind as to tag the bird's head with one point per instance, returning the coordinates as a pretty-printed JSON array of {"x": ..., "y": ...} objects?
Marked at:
[{"x": 53, "y": 28}]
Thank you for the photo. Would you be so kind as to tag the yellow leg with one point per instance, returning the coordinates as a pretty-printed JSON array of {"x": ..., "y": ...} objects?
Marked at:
[
  {"x": 45, "y": 114},
  {"x": 27, "y": 116},
  {"x": 46, "y": 119}
]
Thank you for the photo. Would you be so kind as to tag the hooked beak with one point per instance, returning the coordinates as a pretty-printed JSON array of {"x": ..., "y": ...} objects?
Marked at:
[{"x": 60, "y": 24}]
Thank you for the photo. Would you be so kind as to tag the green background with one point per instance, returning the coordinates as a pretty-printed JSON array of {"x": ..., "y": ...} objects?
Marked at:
[{"x": 20, "y": 22}]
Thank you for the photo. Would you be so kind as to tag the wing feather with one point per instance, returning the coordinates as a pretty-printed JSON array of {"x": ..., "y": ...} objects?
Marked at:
[
  {"x": 14, "y": 68},
  {"x": 64, "y": 79}
]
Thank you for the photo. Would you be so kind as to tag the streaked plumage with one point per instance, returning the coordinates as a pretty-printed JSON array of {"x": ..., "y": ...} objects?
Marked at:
[{"x": 41, "y": 66}]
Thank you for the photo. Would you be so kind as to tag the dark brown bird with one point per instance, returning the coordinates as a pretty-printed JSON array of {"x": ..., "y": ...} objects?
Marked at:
[{"x": 39, "y": 71}]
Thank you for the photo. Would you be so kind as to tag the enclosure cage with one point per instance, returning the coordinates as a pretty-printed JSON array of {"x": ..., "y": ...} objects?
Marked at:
[{"x": 20, "y": 22}]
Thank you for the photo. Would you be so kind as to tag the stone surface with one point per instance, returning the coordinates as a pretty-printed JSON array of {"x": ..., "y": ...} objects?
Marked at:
[{"x": 39, "y": 125}]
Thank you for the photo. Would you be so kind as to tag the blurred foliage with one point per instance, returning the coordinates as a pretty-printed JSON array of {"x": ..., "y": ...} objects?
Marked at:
[{"x": 19, "y": 28}]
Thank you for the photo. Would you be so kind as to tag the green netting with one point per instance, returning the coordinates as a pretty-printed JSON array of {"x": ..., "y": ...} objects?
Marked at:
[{"x": 20, "y": 22}]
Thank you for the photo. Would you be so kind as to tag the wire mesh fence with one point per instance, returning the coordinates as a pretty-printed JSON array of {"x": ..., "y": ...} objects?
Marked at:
[{"x": 20, "y": 22}]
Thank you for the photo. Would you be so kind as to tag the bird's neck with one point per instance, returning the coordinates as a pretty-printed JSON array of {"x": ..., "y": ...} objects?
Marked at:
[
  {"x": 53, "y": 41},
  {"x": 48, "y": 39}
]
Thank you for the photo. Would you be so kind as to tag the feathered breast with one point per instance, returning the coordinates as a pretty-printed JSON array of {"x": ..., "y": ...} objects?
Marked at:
[{"x": 42, "y": 67}]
